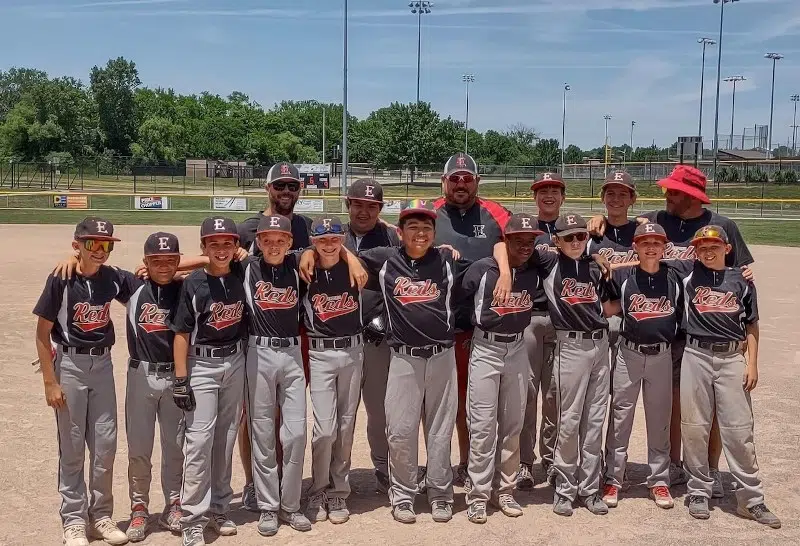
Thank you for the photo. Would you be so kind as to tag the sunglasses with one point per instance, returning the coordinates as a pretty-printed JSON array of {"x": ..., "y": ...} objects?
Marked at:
[
  {"x": 335, "y": 229},
  {"x": 582, "y": 236},
  {"x": 93, "y": 244},
  {"x": 708, "y": 233},
  {"x": 465, "y": 178},
  {"x": 280, "y": 186}
]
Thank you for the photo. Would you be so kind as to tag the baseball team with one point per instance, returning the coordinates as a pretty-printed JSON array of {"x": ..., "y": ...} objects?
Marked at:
[{"x": 457, "y": 319}]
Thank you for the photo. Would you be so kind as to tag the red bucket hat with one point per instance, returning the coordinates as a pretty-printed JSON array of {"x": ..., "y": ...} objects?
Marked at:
[{"x": 688, "y": 180}]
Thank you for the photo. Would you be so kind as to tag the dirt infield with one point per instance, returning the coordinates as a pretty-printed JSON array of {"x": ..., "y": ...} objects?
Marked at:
[{"x": 28, "y": 450}]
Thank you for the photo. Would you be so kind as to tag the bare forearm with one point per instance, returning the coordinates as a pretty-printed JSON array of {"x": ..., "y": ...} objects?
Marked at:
[
  {"x": 500, "y": 254},
  {"x": 44, "y": 353},
  {"x": 180, "y": 350},
  {"x": 190, "y": 263},
  {"x": 752, "y": 344}
]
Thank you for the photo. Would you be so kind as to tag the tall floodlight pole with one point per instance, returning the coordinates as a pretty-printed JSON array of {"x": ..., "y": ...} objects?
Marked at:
[
  {"x": 775, "y": 58},
  {"x": 344, "y": 108},
  {"x": 607, "y": 117},
  {"x": 419, "y": 9},
  {"x": 564, "y": 127},
  {"x": 795, "y": 99},
  {"x": 323, "y": 135},
  {"x": 719, "y": 81},
  {"x": 467, "y": 79},
  {"x": 733, "y": 80},
  {"x": 705, "y": 42},
  {"x": 633, "y": 124}
]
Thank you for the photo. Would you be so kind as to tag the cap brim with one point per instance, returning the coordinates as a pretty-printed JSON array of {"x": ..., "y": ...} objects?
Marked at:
[
  {"x": 163, "y": 254},
  {"x": 408, "y": 212},
  {"x": 620, "y": 184},
  {"x": 661, "y": 236},
  {"x": 97, "y": 238},
  {"x": 273, "y": 231},
  {"x": 234, "y": 235},
  {"x": 454, "y": 171},
  {"x": 284, "y": 179},
  {"x": 571, "y": 231},
  {"x": 542, "y": 183},
  {"x": 365, "y": 199},
  {"x": 681, "y": 186},
  {"x": 536, "y": 232},
  {"x": 327, "y": 234},
  {"x": 695, "y": 242}
]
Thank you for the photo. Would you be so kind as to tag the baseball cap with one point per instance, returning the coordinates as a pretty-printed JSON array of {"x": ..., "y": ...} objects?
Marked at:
[
  {"x": 522, "y": 223},
  {"x": 713, "y": 233},
  {"x": 283, "y": 171},
  {"x": 161, "y": 243},
  {"x": 274, "y": 223},
  {"x": 94, "y": 227},
  {"x": 619, "y": 178},
  {"x": 567, "y": 224},
  {"x": 688, "y": 180},
  {"x": 330, "y": 225},
  {"x": 548, "y": 179},
  {"x": 649, "y": 230},
  {"x": 460, "y": 163},
  {"x": 218, "y": 225},
  {"x": 365, "y": 189},
  {"x": 418, "y": 206}
]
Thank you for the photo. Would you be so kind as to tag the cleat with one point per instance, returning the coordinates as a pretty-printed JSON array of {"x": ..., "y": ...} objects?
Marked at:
[
  {"x": 267, "y": 524},
  {"x": 137, "y": 530},
  {"x": 761, "y": 514},
  {"x": 562, "y": 506},
  {"x": 171, "y": 519},
  {"x": 524, "y": 477},
  {"x": 698, "y": 507},
  {"x": 595, "y": 505},
  {"x": 717, "y": 490},
  {"x": 295, "y": 520},
  {"x": 507, "y": 504},
  {"x": 442, "y": 511},
  {"x": 109, "y": 532},
  {"x": 315, "y": 509},
  {"x": 337, "y": 510},
  {"x": 75, "y": 535},
  {"x": 222, "y": 525},
  {"x": 661, "y": 495},
  {"x": 476, "y": 512},
  {"x": 404, "y": 513},
  {"x": 611, "y": 495}
]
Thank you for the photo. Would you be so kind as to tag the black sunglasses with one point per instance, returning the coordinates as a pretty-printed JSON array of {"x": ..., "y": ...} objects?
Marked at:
[
  {"x": 335, "y": 229},
  {"x": 582, "y": 236},
  {"x": 281, "y": 185}
]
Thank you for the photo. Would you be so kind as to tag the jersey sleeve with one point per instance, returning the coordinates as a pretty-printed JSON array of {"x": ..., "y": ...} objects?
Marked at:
[
  {"x": 544, "y": 261},
  {"x": 651, "y": 216},
  {"x": 605, "y": 289},
  {"x": 49, "y": 303},
  {"x": 128, "y": 284},
  {"x": 618, "y": 276},
  {"x": 183, "y": 321},
  {"x": 750, "y": 303},
  {"x": 472, "y": 276},
  {"x": 741, "y": 254},
  {"x": 394, "y": 238},
  {"x": 247, "y": 232},
  {"x": 374, "y": 258}
]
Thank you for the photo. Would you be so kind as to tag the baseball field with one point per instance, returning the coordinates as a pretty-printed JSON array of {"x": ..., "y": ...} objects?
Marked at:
[{"x": 28, "y": 450}]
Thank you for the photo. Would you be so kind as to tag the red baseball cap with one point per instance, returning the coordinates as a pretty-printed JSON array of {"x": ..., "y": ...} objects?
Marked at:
[{"x": 688, "y": 180}]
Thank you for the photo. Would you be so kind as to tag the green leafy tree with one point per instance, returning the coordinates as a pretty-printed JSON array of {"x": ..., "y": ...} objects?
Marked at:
[{"x": 113, "y": 90}]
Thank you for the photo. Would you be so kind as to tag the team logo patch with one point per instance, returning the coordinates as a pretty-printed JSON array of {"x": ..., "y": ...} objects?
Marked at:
[
  {"x": 674, "y": 252},
  {"x": 479, "y": 231},
  {"x": 328, "y": 307},
  {"x": 643, "y": 308},
  {"x": 89, "y": 318},
  {"x": 706, "y": 300},
  {"x": 618, "y": 256},
  {"x": 407, "y": 291},
  {"x": 575, "y": 293},
  {"x": 152, "y": 318},
  {"x": 224, "y": 316},
  {"x": 268, "y": 297},
  {"x": 518, "y": 302}
]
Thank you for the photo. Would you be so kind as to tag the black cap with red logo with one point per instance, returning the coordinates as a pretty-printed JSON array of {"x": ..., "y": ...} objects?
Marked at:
[
  {"x": 365, "y": 189},
  {"x": 217, "y": 225},
  {"x": 283, "y": 171},
  {"x": 162, "y": 243},
  {"x": 460, "y": 163},
  {"x": 94, "y": 227},
  {"x": 274, "y": 223},
  {"x": 522, "y": 223}
]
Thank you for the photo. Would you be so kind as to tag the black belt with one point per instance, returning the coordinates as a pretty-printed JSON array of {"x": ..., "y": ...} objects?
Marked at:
[
  {"x": 335, "y": 342},
  {"x": 595, "y": 334},
  {"x": 421, "y": 352},
  {"x": 539, "y": 309},
  {"x": 502, "y": 338},
  {"x": 715, "y": 346},
  {"x": 648, "y": 349},
  {"x": 275, "y": 342},
  {"x": 208, "y": 351},
  {"x": 89, "y": 351},
  {"x": 153, "y": 367}
]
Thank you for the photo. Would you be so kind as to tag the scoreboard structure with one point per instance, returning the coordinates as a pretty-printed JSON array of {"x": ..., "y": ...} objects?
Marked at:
[{"x": 315, "y": 176}]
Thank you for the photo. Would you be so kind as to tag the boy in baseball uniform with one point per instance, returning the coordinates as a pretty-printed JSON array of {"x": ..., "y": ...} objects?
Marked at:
[{"x": 721, "y": 314}]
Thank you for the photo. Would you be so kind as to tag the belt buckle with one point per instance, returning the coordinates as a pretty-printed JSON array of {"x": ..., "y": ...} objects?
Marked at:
[
  {"x": 274, "y": 343},
  {"x": 649, "y": 350},
  {"x": 215, "y": 352},
  {"x": 720, "y": 347},
  {"x": 95, "y": 351}
]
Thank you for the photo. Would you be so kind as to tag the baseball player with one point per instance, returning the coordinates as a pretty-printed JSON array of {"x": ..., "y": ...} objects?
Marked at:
[
  {"x": 499, "y": 371},
  {"x": 209, "y": 379},
  {"x": 649, "y": 300},
  {"x": 721, "y": 313},
  {"x": 74, "y": 320}
]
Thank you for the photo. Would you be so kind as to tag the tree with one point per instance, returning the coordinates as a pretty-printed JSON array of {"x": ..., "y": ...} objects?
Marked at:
[
  {"x": 159, "y": 140},
  {"x": 14, "y": 84},
  {"x": 113, "y": 90},
  {"x": 573, "y": 154}
]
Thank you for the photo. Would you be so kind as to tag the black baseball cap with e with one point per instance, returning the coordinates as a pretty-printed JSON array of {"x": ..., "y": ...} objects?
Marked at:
[
  {"x": 548, "y": 179},
  {"x": 218, "y": 225},
  {"x": 650, "y": 229},
  {"x": 283, "y": 171},
  {"x": 162, "y": 243},
  {"x": 568, "y": 224},
  {"x": 274, "y": 223},
  {"x": 460, "y": 163},
  {"x": 328, "y": 225},
  {"x": 619, "y": 178},
  {"x": 94, "y": 227},
  {"x": 366, "y": 189},
  {"x": 522, "y": 223}
]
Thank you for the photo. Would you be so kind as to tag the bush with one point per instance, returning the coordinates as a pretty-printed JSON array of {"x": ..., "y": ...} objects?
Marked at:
[
  {"x": 786, "y": 177},
  {"x": 756, "y": 176},
  {"x": 728, "y": 175}
]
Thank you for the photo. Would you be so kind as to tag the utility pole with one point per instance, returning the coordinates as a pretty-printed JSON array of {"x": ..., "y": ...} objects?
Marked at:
[
  {"x": 705, "y": 42},
  {"x": 467, "y": 79},
  {"x": 606, "y": 155},
  {"x": 734, "y": 80},
  {"x": 795, "y": 99},
  {"x": 775, "y": 57},
  {"x": 564, "y": 127}
]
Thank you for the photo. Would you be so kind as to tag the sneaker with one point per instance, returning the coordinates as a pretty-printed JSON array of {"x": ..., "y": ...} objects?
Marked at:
[
  {"x": 75, "y": 535},
  {"x": 296, "y": 520},
  {"x": 442, "y": 511},
  {"x": 595, "y": 505},
  {"x": 382, "y": 483},
  {"x": 337, "y": 510},
  {"x": 109, "y": 532},
  {"x": 562, "y": 506},
  {"x": 698, "y": 507},
  {"x": 761, "y": 514},
  {"x": 660, "y": 494},
  {"x": 404, "y": 513},
  {"x": 249, "y": 501},
  {"x": 476, "y": 512},
  {"x": 222, "y": 525},
  {"x": 267, "y": 524},
  {"x": 193, "y": 536},
  {"x": 315, "y": 509},
  {"x": 507, "y": 504},
  {"x": 460, "y": 475},
  {"x": 524, "y": 477},
  {"x": 422, "y": 473},
  {"x": 611, "y": 495},
  {"x": 137, "y": 530},
  {"x": 171, "y": 519},
  {"x": 717, "y": 490},
  {"x": 677, "y": 475}
]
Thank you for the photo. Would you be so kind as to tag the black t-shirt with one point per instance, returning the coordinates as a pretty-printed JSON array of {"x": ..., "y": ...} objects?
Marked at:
[
  {"x": 301, "y": 228},
  {"x": 212, "y": 308},
  {"x": 273, "y": 297},
  {"x": 80, "y": 308},
  {"x": 487, "y": 313},
  {"x": 379, "y": 236},
  {"x": 332, "y": 306},
  {"x": 652, "y": 304}
]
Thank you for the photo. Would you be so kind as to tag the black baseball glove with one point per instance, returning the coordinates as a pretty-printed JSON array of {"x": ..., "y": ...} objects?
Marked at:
[
  {"x": 183, "y": 394},
  {"x": 375, "y": 330}
]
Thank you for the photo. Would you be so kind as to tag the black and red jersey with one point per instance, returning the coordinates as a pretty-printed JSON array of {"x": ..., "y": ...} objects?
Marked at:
[
  {"x": 273, "y": 297},
  {"x": 301, "y": 228},
  {"x": 473, "y": 232},
  {"x": 332, "y": 308},
  {"x": 147, "y": 319},
  {"x": 379, "y": 236}
]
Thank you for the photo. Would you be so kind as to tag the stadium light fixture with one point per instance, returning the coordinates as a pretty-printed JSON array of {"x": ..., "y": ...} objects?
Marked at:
[
  {"x": 564, "y": 127},
  {"x": 774, "y": 57},
  {"x": 719, "y": 81},
  {"x": 607, "y": 117},
  {"x": 733, "y": 80},
  {"x": 705, "y": 42},
  {"x": 467, "y": 79},
  {"x": 419, "y": 9},
  {"x": 795, "y": 99}
]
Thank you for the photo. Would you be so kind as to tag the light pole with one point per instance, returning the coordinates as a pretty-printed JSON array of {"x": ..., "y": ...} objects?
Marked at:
[
  {"x": 633, "y": 124},
  {"x": 564, "y": 127},
  {"x": 419, "y": 8},
  {"x": 467, "y": 79},
  {"x": 705, "y": 42},
  {"x": 775, "y": 58},
  {"x": 733, "y": 80},
  {"x": 343, "y": 189},
  {"x": 795, "y": 99},
  {"x": 607, "y": 117},
  {"x": 719, "y": 79}
]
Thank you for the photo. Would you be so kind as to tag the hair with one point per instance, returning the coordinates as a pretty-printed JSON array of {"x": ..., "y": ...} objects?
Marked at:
[
  {"x": 563, "y": 190},
  {"x": 416, "y": 216},
  {"x": 634, "y": 193}
]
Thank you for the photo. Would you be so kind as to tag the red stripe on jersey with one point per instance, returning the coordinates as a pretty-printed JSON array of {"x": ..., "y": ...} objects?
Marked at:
[
  {"x": 439, "y": 203},
  {"x": 497, "y": 211}
]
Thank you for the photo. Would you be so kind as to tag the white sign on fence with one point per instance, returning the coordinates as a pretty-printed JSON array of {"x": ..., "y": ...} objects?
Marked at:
[
  {"x": 151, "y": 202},
  {"x": 230, "y": 203},
  {"x": 314, "y": 168},
  {"x": 392, "y": 207},
  {"x": 309, "y": 205}
]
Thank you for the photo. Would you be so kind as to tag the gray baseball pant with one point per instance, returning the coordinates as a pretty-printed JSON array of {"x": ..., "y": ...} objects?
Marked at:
[
  {"x": 496, "y": 396},
  {"x": 425, "y": 387},
  {"x": 652, "y": 374},
  {"x": 373, "y": 392},
  {"x": 89, "y": 420},
  {"x": 614, "y": 327},
  {"x": 581, "y": 371},
  {"x": 218, "y": 385},
  {"x": 148, "y": 397},
  {"x": 540, "y": 342},
  {"x": 709, "y": 382},
  {"x": 275, "y": 378},
  {"x": 335, "y": 388}
]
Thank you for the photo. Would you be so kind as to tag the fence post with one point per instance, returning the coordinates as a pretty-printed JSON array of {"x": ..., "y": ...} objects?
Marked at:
[
  {"x": 134, "y": 181},
  {"x": 81, "y": 177}
]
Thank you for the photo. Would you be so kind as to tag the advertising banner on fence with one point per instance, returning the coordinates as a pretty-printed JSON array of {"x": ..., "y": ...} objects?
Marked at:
[
  {"x": 309, "y": 205},
  {"x": 392, "y": 207},
  {"x": 230, "y": 203},
  {"x": 71, "y": 201},
  {"x": 151, "y": 202}
]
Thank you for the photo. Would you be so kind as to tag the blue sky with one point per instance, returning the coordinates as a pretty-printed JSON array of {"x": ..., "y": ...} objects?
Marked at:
[{"x": 634, "y": 59}]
